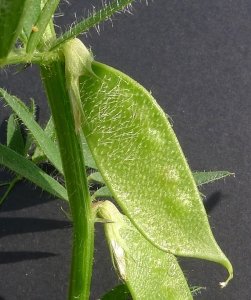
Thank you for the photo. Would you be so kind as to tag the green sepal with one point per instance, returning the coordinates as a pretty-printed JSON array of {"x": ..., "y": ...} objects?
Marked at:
[
  {"x": 148, "y": 272},
  {"x": 78, "y": 62}
]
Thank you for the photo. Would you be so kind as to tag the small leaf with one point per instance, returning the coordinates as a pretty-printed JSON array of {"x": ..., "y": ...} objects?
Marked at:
[
  {"x": 14, "y": 135},
  {"x": 141, "y": 161},
  {"x": 37, "y": 132},
  {"x": 148, "y": 272},
  {"x": 102, "y": 192},
  {"x": 29, "y": 140},
  {"x": 206, "y": 177},
  {"x": 51, "y": 134},
  {"x": 44, "y": 18},
  {"x": 30, "y": 20},
  {"x": 27, "y": 169},
  {"x": 120, "y": 292},
  {"x": 97, "y": 177},
  {"x": 50, "y": 130},
  {"x": 89, "y": 161}
]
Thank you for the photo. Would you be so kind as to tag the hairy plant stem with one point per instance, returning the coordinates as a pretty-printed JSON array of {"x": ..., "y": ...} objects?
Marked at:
[{"x": 75, "y": 178}]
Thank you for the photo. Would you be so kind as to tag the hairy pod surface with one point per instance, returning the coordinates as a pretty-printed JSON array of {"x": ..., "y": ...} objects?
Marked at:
[{"x": 142, "y": 163}]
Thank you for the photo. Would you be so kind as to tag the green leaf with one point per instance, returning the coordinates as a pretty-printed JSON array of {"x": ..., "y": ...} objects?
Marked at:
[
  {"x": 29, "y": 140},
  {"x": 14, "y": 135},
  {"x": 120, "y": 292},
  {"x": 37, "y": 132},
  {"x": 50, "y": 130},
  {"x": 94, "y": 19},
  {"x": 97, "y": 177},
  {"x": 148, "y": 272},
  {"x": 102, "y": 192},
  {"x": 51, "y": 134},
  {"x": 12, "y": 18},
  {"x": 30, "y": 20},
  {"x": 206, "y": 177},
  {"x": 142, "y": 163},
  {"x": 89, "y": 161},
  {"x": 27, "y": 169},
  {"x": 41, "y": 24}
]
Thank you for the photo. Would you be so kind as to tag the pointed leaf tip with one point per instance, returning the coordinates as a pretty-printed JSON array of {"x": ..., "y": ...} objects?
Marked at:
[{"x": 225, "y": 283}]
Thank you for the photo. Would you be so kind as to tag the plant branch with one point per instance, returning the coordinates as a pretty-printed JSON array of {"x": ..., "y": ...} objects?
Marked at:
[
  {"x": 18, "y": 56},
  {"x": 11, "y": 185},
  {"x": 91, "y": 21}
]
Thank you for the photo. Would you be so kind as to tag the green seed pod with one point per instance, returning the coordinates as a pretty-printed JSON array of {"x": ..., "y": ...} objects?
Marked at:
[{"x": 142, "y": 163}]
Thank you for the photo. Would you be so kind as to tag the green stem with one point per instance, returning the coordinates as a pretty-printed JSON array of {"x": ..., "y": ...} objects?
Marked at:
[
  {"x": 11, "y": 185},
  {"x": 75, "y": 178},
  {"x": 18, "y": 56}
]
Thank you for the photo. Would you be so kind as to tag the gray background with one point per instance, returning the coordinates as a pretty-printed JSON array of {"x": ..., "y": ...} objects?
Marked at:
[{"x": 195, "y": 58}]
